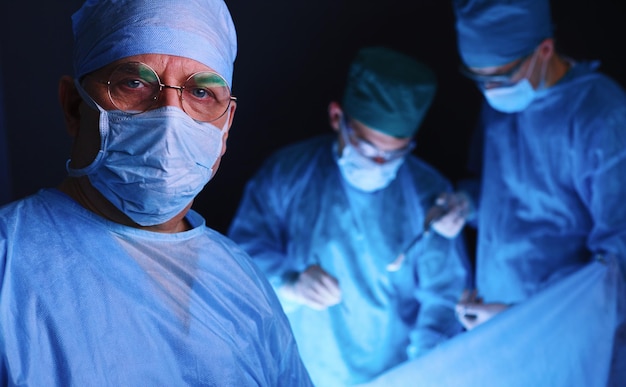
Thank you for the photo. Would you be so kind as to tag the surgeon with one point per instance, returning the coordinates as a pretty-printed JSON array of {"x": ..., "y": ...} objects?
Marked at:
[
  {"x": 339, "y": 225},
  {"x": 552, "y": 156},
  {"x": 110, "y": 279}
]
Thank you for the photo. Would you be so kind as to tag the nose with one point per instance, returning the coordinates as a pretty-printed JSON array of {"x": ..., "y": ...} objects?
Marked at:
[{"x": 171, "y": 96}]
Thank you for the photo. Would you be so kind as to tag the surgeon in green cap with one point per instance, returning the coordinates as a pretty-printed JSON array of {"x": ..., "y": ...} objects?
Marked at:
[{"x": 327, "y": 218}]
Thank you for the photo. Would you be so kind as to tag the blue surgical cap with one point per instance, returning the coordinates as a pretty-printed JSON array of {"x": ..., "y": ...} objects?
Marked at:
[
  {"x": 388, "y": 91},
  {"x": 497, "y": 32},
  {"x": 108, "y": 30}
]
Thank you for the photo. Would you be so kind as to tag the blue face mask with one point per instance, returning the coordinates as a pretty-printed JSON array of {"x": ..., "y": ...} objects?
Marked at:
[
  {"x": 365, "y": 174},
  {"x": 152, "y": 165},
  {"x": 514, "y": 98},
  {"x": 511, "y": 99}
]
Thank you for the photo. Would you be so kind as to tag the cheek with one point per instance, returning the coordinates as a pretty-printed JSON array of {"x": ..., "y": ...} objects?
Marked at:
[
  {"x": 216, "y": 165},
  {"x": 87, "y": 140},
  {"x": 224, "y": 141}
]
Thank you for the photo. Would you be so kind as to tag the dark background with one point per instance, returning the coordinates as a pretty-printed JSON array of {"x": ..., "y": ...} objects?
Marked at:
[{"x": 293, "y": 56}]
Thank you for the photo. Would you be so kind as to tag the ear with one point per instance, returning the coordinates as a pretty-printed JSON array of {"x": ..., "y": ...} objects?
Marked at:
[
  {"x": 70, "y": 102},
  {"x": 335, "y": 115},
  {"x": 546, "y": 49}
]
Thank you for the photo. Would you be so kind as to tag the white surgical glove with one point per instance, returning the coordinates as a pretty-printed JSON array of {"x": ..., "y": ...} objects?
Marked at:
[
  {"x": 449, "y": 214},
  {"x": 471, "y": 311},
  {"x": 314, "y": 288}
]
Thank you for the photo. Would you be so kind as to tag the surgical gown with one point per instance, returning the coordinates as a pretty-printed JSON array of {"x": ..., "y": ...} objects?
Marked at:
[
  {"x": 298, "y": 211},
  {"x": 553, "y": 186},
  {"x": 88, "y": 302}
]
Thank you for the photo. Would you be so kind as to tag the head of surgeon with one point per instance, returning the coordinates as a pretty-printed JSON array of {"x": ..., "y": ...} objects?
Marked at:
[
  {"x": 386, "y": 97},
  {"x": 149, "y": 107},
  {"x": 507, "y": 48}
]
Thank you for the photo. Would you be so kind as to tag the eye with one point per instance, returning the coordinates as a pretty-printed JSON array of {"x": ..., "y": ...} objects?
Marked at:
[
  {"x": 131, "y": 85},
  {"x": 207, "y": 87},
  {"x": 134, "y": 83},
  {"x": 133, "y": 77},
  {"x": 201, "y": 93}
]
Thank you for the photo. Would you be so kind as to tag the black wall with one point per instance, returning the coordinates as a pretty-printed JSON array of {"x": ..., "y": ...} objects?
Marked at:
[{"x": 292, "y": 59}]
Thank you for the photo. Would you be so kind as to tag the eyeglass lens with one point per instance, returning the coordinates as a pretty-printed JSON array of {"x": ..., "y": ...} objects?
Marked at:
[
  {"x": 371, "y": 151},
  {"x": 501, "y": 79},
  {"x": 134, "y": 87}
]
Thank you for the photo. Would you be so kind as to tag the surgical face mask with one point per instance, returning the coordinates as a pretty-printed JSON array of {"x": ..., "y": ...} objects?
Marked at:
[
  {"x": 152, "y": 165},
  {"x": 511, "y": 99},
  {"x": 365, "y": 174},
  {"x": 514, "y": 98}
]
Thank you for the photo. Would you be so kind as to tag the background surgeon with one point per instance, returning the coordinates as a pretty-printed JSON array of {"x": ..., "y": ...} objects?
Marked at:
[
  {"x": 111, "y": 279},
  {"x": 553, "y": 152},
  {"x": 324, "y": 219}
]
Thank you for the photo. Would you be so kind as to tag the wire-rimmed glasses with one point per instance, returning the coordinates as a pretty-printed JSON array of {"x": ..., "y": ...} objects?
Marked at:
[
  {"x": 134, "y": 88},
  {"x": 495, "y": 80},
  {"x": 370, "y": 150}
]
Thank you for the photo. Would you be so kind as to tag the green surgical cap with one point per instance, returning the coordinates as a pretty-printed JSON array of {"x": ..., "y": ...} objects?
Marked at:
[
  {"x": 388, "y": 91},
  {"x": 497, "y": 32}
]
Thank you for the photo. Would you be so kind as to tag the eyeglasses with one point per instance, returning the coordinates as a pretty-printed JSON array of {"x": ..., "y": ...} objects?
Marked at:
[
  {"x": 134, "y": 88},
  {"x": 369, "y": 150},
  {"x": 502, "y": 79}
]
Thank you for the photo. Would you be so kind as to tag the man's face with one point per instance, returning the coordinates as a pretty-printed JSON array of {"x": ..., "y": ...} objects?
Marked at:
[
  {"x": 171, "y": 70},
  {"x": 372, "y": 143}
]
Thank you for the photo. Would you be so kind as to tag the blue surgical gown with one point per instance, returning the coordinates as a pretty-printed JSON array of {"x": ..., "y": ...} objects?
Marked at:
[
  {"x": 298, "y": 211},
  {"x": 552, "y": 186},
  {"x": 88, "y": 302}
]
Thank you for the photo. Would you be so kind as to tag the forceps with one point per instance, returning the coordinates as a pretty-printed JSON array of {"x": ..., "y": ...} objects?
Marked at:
[{"x": 443, "y": 210}]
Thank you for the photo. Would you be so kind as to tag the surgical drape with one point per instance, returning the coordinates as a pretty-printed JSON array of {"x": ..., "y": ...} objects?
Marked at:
[{"x": 571, "y": 334}]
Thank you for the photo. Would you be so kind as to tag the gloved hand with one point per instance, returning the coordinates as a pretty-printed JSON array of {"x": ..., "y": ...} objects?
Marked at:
[
  {"x": 314, "y": 288},
  {"x": 449, "y": 214},
  {"x": 471, "y": 311}
]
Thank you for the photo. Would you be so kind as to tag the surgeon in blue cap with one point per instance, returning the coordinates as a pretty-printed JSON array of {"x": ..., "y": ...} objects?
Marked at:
[
  {"x": 111, "y": 279},
  {"x": 329, "y": 219},
  {"x": 553, "y": 156}
]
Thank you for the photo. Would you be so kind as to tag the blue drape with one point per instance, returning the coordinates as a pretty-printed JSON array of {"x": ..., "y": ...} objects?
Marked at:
[{"x": 571, "y": 334}]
